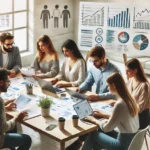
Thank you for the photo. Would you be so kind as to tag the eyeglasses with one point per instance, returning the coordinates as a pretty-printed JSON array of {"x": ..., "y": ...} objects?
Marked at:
[
  {"x": 94, "y": 61},
  {"x": 9, "y": 44}
]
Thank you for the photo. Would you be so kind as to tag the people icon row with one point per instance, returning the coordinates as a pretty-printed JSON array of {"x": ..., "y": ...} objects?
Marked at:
[{"x": 45, "y": 15}]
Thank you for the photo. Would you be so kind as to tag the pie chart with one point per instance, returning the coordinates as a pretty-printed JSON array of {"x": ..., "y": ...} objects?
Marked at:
[
  {"x": 123, "y": 37},
  {"x": 140, "y": 42}
]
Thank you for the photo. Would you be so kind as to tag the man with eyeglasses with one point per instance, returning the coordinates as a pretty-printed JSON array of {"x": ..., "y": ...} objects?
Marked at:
[
  {"x": 9, "y": 54},
  {"x": 100, "y": 70}
]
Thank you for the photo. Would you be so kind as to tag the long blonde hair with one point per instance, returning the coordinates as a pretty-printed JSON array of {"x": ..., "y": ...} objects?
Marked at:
[
  {"x": 135, "y": 64},
  {"x": 123, "y": 92},
  {"x": 47, "y": 41}
]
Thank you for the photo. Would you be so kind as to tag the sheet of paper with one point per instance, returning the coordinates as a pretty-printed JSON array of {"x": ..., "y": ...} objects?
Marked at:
[{"x": 27, "y": 72}]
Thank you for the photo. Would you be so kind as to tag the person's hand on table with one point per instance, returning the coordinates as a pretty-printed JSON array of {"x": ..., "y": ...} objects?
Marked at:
[
  {"x": 39, "y": 76},
  {"x": 8, "y": 101},
  {"x": 78, "y": 89},
  {"x": 54, "y": 81},
  {"x": 93, "y": 98},
  {"x": 20, "y": 116},
  {"x": 60, "y": 84},
  {"x": 97, "y": 113},
  {"x": 92, "y": 120},
  {"x": 12, "y": 73},
  {"x": 112, "y": 104},
  {"x": 11, "y": 106}
]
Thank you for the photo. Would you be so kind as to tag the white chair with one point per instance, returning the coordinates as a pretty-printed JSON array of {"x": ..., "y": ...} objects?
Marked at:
[{"x": 137, "y": 141}]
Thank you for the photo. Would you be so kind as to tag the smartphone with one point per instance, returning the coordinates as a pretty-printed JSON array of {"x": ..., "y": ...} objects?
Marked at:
[{"x": 51, "y": 127}]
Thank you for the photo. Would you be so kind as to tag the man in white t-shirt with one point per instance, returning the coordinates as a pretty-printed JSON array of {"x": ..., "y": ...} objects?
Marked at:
[{"x": 9, "y": 54}]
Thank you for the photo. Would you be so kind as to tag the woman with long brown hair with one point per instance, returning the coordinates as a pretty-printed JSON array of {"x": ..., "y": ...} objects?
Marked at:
[
  {"x": 140, "y": 89},
  {"x": 73, "y": 70},
  {"x": 122, "y": 124},
  {"x": 46, "y": 60}
]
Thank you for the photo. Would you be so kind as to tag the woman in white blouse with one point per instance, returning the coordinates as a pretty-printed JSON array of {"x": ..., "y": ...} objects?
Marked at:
[
  {"x": 73, "y": 70},
  {"x": 116, "y": 132}
]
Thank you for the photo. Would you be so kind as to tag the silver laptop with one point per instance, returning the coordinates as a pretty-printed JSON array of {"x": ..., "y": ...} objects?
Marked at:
[
  {"x": 83, "y": 109},
  {"x": 76, "y": 95},
  {"x": 46, "y": 85}
]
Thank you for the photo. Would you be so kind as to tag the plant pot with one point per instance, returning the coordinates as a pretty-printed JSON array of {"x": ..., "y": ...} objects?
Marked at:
[{"x": 45, "y": 112}]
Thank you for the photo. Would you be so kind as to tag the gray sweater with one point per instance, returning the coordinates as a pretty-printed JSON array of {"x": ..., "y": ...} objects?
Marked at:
[
  {"x": 14, "y": 59},
  {"x": 4, "y": 124},
  {"x": 49, "y": 69}
]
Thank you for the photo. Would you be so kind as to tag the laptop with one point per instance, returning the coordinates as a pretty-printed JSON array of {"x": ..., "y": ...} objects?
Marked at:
[
  {"x": 46, "y": 85},
  {"x": 76, "y": 95},
  {"x": 83, "y": 109}
]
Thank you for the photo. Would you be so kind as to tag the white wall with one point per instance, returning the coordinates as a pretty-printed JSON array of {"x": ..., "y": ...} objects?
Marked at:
[{"x": 57, "y": 35}]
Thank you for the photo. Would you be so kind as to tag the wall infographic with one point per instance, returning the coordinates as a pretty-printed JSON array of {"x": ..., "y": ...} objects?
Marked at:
[{"x": 121, "y": 28}]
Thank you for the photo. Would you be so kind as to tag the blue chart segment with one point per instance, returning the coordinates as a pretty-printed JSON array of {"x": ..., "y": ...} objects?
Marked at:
[
  {"x": 140, "y": 42},
  {"x": 118, "y": 18},
  {"x": 92, "y": 15},
  {"x": 141, "y": 19},
  {"x": 86, "y": 38},
  {"x": 110, "y": 36},
  {"x": 123, "y": 37},
  {"x": 98, "y": 39}
]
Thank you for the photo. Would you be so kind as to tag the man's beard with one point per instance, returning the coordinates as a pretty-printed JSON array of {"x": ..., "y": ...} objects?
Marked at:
[{"x": 8, "y": 50}]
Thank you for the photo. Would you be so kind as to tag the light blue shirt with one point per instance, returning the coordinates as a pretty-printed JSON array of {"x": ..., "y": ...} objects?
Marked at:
[{"x": 99, "y": 77}]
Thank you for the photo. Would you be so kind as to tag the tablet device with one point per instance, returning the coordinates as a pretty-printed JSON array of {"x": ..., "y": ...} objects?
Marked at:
[{"x": 83, "y": 109}]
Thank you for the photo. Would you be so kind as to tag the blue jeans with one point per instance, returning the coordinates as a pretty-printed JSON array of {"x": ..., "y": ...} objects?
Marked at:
[
  {"x": 97, "y": 140},
  {"x": 12, "y": 140}
]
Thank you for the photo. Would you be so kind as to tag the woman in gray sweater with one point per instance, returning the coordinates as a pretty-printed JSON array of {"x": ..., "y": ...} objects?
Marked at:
[
  {"x": 10, "y": 140},
  {"x": 46, "y": 62}
]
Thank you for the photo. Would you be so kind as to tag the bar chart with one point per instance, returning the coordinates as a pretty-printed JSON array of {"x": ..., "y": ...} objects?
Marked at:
[
  {"x": 118, "y": 18},
  {"x": 141, "y": 19},
  {"x": 92, "y": 15}
]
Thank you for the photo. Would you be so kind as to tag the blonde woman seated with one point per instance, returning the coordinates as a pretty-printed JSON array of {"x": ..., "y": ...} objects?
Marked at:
[
  {"x": 73, "y": 70},
  {"x": 46, "y": 62},
  {"x": 117, "y": 132}
]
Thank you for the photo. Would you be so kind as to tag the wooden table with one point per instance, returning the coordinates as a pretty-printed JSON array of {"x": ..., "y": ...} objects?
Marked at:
[{"x": 40, "y": 123}]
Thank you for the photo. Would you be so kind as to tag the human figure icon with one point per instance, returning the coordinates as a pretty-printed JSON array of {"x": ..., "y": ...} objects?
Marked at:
[
  {"x": 45, "y": 15},
  {"x": 65, "y": 14},
  {"x": 56, "y": 15}
]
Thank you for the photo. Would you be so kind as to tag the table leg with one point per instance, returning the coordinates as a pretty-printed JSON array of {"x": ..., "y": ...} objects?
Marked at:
[{"x": 62, "y": 146}]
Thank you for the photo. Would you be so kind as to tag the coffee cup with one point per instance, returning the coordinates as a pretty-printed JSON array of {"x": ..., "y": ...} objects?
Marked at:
[
  {"x": 61, "y": 123},
  {"x": 75, "y": 119},
  {"x": 63, "y": 96}
]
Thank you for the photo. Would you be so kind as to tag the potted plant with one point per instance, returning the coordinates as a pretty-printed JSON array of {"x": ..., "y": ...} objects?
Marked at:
[{"x": 45, "y": 104}]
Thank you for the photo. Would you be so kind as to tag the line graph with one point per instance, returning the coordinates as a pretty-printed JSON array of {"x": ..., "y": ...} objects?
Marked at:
[
  {"x": 92, "y": 15},
  {"x": 141, "y": 18}
]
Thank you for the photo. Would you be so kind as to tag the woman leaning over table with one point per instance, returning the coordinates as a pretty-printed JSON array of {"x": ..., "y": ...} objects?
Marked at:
[
  {"x": 116, "y": 132},
  {"x": 73, "y": 70},
  {"x": 8, "y": 139},
  {"x": 140, "y": 89},
  {"x": 46, "y": 62}
]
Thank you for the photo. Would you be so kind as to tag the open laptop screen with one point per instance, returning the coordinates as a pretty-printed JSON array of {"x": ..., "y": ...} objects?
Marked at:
[{"x": 83, "y": 109}]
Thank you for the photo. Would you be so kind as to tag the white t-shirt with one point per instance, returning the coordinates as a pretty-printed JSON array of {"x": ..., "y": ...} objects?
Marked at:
[{"x": 5, "y": 60}]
